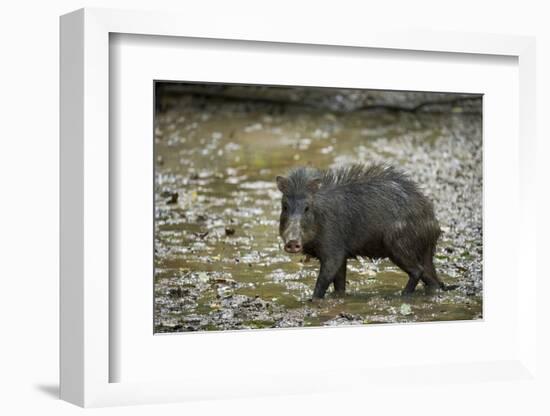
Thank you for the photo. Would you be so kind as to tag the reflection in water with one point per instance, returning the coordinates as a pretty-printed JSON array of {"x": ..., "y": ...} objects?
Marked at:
[{"x": 218, "y": 259}]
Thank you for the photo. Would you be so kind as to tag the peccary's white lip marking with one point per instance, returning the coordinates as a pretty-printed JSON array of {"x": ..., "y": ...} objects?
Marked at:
[
  {"x": 293, "y": 234},
  {"x": 292, "y": 231}
]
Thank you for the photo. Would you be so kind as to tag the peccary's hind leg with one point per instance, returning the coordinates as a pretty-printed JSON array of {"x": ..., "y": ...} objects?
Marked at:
[
  {"x": 430, "y": 278},
  {"x": 414, "y": 277},
  {"x": 412, "y": 268},
  {"x": 340, "y": 280}
]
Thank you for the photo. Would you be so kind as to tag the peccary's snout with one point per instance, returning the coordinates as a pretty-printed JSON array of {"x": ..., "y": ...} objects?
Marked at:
[
  {"x": 292, "y": 235},
  {"x": 293, "y": 246}
]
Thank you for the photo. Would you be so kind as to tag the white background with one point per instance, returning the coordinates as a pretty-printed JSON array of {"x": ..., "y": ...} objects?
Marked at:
[{"x": 29, "y": 175}]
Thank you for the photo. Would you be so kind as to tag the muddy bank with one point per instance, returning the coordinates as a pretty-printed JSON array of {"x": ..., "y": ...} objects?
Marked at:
[
  {"x": 218, "y": 260},
  {"x": 329, "y": 99}
]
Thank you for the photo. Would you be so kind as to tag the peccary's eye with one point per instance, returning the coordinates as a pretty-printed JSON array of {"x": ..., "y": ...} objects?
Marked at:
[
  {"x": 306, "y": 209},
  {"x": 285, "y": 207}
]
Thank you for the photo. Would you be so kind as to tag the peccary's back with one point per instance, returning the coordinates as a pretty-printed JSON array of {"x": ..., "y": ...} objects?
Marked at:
[{"x": 373, "y": 201}]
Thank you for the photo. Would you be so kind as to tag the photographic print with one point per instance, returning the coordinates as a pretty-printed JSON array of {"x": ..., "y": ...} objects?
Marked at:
[{"x": 290, "y": 206}]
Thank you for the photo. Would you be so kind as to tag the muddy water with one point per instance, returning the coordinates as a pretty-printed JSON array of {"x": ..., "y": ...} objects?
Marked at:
[{"x": 218, "y": 259}]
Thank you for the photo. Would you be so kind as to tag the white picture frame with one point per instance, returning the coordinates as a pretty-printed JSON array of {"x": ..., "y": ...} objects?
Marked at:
[{"x": 86, "y": 353}]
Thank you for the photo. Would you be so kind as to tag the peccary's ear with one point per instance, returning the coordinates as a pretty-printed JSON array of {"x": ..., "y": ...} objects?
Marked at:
[
  {"x": 282, "y": 183},
  {"x": 314, "y": 185}
]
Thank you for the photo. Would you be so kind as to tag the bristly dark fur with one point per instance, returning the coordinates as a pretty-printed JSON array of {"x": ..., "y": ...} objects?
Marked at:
[
  {"x": 358, "y": 173},
  {"x": 299, "y": 178},
  {"x": 347, "y": 175}
]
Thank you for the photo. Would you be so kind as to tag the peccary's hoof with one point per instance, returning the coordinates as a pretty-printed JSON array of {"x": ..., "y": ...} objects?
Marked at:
[
  {"x": 316, "y": 300},
  {"x": 450, "y": 287}
]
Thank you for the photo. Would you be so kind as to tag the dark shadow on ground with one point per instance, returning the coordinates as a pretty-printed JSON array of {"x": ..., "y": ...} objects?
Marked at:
[{"x": 51, "y": 390}]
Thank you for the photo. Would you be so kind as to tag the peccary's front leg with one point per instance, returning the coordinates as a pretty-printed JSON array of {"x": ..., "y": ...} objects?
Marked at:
[
  {"x": 327, "y": 274},
  {"x": 340, "y": 280}
]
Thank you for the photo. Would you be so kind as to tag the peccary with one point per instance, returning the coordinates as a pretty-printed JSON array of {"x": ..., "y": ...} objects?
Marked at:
[{"x": 373, "y": 211}]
